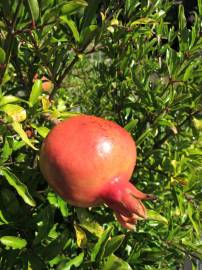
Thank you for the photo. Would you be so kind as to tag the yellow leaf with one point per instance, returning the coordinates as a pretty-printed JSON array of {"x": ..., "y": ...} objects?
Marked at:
[
  {"x": 18, "y": 128},
  {"x": 16, "y": 112},
  {"x": 81, "y": 238}
]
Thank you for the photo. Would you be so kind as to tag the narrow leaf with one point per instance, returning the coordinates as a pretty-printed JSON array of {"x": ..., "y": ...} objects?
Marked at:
[
  {"x": 55, "y": 247},
  {"x": 74, "y": 262},
  {"x": 20, "y": 187},
  {"x": 88, "y": 34},
  {"x": 43, "y": 131},
  {"x": 16, "y": 112},
  {"x": 144, "y": 21},
  {"x": 73, "y": 6},
  {"x": 13, "y": 242},
  {"x": 87, "y": 222},
  {"x": 2, "y": 219},
  {"x": 181, "y": 18},
  {"x": 99, "y": 248},
  {"x": 2, "y": 56},
  {"x": 72, "y": 27},
  {"x": 200, "y": 7},
  {"x": 81, "y": 238},
  {"x": 35, "y": 93},
  {"x": 33, "y": 8},
  {"x": 131, "y": 125},
  {"x": 152, "y": 215},
  {"x": 18, "y": 128},
  {"x": 114, "y": 262},
  {"x": 8, "y": 99},
  {"x": 113, "y": 244}
]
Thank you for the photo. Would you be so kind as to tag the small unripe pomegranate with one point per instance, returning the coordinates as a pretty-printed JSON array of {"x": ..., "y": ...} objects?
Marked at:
[
  {"x": 47, "y": 85},
  {"x": 89, "y": 161}
]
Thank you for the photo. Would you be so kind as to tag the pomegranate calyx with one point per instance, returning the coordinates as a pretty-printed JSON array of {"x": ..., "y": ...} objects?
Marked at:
[{"x": 125, "y": 199}]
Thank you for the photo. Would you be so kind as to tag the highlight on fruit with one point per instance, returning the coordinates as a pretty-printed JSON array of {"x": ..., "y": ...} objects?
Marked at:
[{"x": 89, "y": 161}]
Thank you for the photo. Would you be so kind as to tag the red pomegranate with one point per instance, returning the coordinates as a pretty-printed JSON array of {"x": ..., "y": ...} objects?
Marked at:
[{"x": 88, "y": 161}]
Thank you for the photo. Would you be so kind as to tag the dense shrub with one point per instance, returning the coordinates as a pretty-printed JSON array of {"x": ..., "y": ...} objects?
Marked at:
[{"x": 130, "y": 61}]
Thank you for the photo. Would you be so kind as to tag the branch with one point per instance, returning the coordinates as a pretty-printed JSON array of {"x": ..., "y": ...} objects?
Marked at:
[{"x": 61, "y": 78}]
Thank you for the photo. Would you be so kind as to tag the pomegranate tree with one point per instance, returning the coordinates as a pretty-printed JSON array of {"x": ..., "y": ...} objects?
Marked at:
[{"x": 89, "y": 161}]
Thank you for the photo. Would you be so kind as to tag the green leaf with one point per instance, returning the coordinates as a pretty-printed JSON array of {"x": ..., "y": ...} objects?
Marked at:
[
  {"x": 2, "y": 219},
  {"x": 144, "y": 135},
  {"x": 18, "y": 185},
  {"x": 10, "y": 201},
  {"x": 43, "y": 131},
  {"x": 13, "y": 242},
  {"x": 113, "y": 244},
  {"x": 44, "y": 221},
  {"x": 200, "y": 7},
  {"x": 181, "y": 18},
  {"x": 33, "y": 8},
  {"x": 72, "y": 27},
  {"x": 189, "y": 71},
  {"x": 171, "y": 61},
  {"x": 8, "y": 99},
  {"x": 152, "y": 215},
  {"x": 74, "y": 262},
  {"x": 2, "y": 56},
  {"x": 192, "y": 217},
  {"x": 90, "y": 13},
  {"x": 87, "y": 222},
  {"x": 18, "y": 128},
  {"x": 35, "y": 93},
  {"x": 73, "y": 6},
  {"x": 114, "y": 262},
  {"x": 88, "y": 34},
  {"x": 6, "y": 151},
  {"x": 131, "y": 125},
  {"x": 99, "y": 248},
  {"x": 16, "y": 112},
  {"x": 62, "y": 205},
  {"x": 56, "y": 246},
  {"x": 144, "y": 21},
  {"x": 197, "y": 123}
]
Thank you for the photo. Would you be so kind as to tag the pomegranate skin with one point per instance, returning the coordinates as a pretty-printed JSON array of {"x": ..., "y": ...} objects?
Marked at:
[{"x": 88, "y": 161}]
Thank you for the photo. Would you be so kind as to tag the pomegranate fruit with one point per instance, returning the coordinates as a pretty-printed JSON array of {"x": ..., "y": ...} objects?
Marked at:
[
  {"x": 47, "y": 85},
  {"x": 88, "y": 161}
]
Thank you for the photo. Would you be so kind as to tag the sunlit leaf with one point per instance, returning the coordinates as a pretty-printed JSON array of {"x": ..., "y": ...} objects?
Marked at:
[
  {"x": 131, "y": 125},
  {"x": 16, "y": 112},
  {"x": 87, "y": 222},
  {"x": 13, "y": 242},
  {"x": 18, "y": 128},
  {"x": 8, "y": 99},
  {"x": 81, "y": 238},
  {"x": 152, "y": 215},
  {"x": 35, "y": 93},
  {"x": 144, "y": 21},
  {"x": 43, "y": 131},
  {"x": 114, "y": 262}
]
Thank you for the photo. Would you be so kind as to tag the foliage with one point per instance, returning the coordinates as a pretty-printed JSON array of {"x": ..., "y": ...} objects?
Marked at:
[{"x": 128, "y": 61}]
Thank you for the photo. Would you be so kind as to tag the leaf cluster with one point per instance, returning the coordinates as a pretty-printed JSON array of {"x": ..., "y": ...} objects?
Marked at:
[{"x": 129, "y": 61}]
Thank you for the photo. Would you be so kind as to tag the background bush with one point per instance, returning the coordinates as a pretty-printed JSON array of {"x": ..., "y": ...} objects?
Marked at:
[{"x": 135, "y": 62}]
